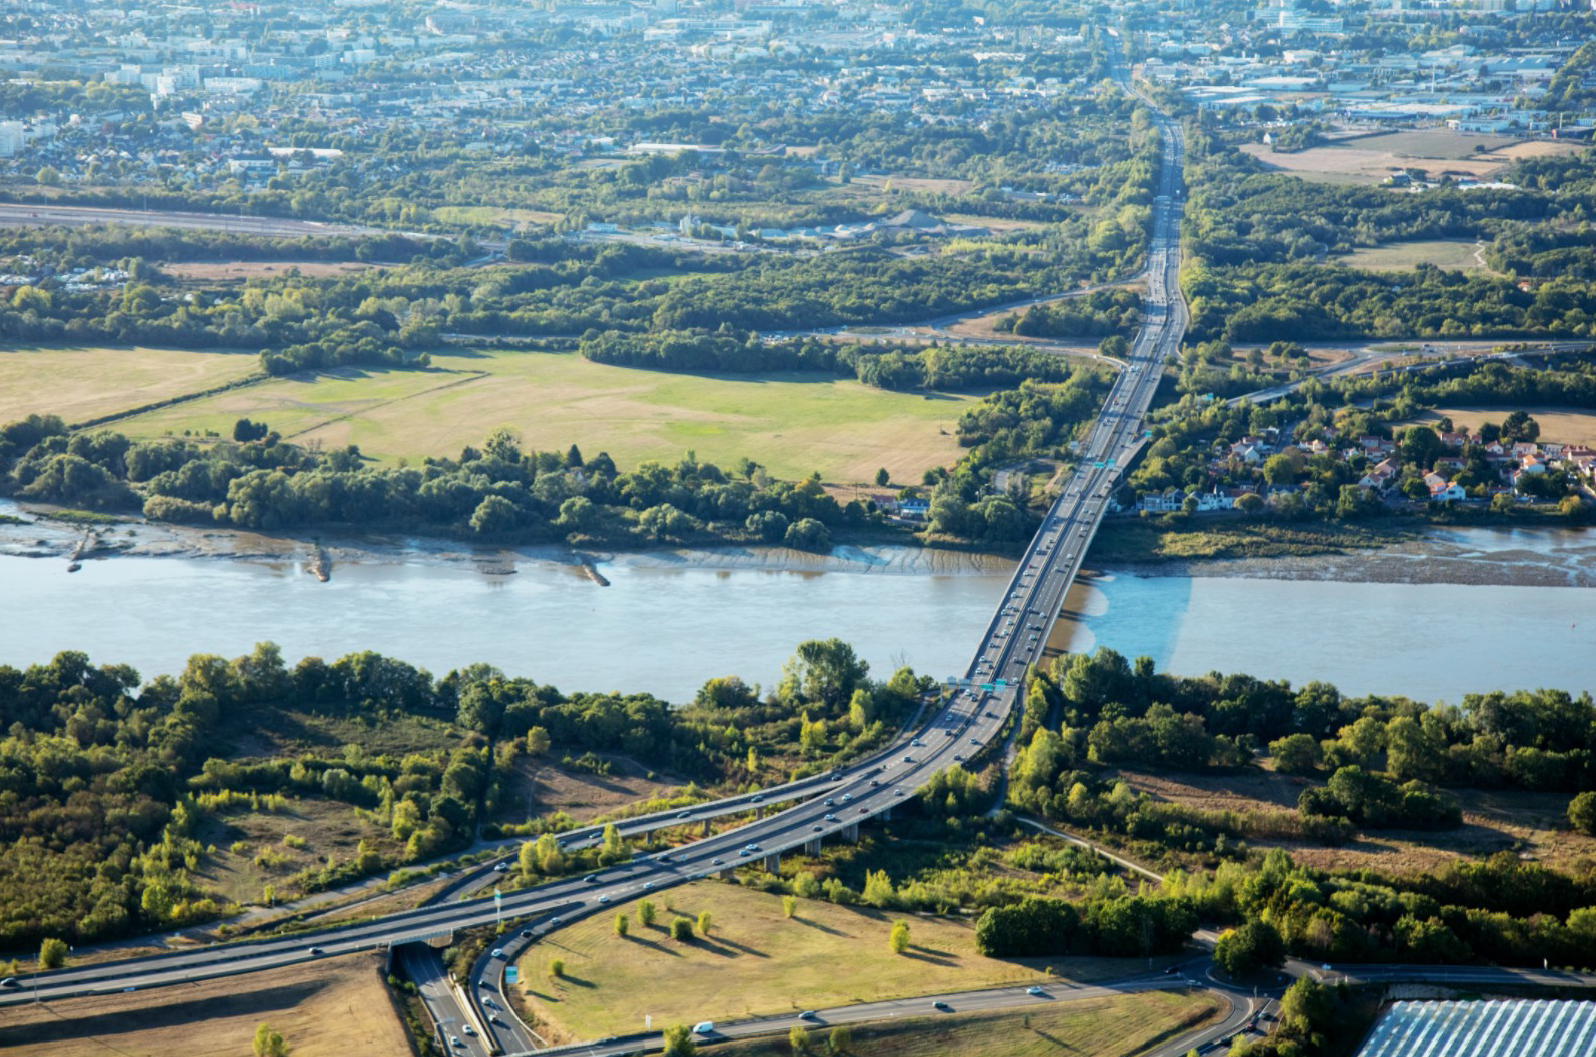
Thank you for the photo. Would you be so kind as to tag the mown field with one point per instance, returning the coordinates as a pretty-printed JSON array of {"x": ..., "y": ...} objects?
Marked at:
[
  {"x": 1095, "y": 1027},
  {"x": 794, "y": 424},
  {"x": 335, "y": 1008},
  {"x": 1451, "y": 254},
  {"x": 81, "y": 384},
  {"x": 755, "y": 961}
]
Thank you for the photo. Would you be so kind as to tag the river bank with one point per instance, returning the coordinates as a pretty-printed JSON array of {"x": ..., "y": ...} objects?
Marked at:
[{"x": 37, "y": 532}]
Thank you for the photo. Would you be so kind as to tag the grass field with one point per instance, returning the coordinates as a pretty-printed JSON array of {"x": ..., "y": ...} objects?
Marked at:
[
  {"x": 335, "y": 1008},
  {"x": 757, "y": 962},
  {"x": 1451, "y": 254},
  {"x": 1095, "y": 1027},
  {"x": 1566, "y": 425},
  {"x": 793, "y": 424},
  {"x": 227, "y": 271},
  {"x": 81, "y": 384}
]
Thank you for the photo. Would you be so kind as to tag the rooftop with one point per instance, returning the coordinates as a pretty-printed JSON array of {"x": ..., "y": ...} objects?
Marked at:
[{"x": 1516, "y": 1028}]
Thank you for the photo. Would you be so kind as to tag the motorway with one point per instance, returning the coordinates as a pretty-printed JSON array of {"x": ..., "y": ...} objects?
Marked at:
[
  {"x": 823, "y": 807},
  {"x": 962, "y": 726}
]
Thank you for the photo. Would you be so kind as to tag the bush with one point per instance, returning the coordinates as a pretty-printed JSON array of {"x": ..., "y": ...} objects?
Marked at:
[
  {"x": 1582, "y": 813},
  {"x": 682, "y": 930}
]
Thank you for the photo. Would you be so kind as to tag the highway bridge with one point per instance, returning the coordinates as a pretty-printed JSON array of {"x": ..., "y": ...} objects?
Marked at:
[{"x": 824, "y": 807}]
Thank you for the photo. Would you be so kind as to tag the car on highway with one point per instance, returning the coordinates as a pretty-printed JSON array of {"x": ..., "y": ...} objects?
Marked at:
[
  {"x": 317, "y": 951},
  {"x": 498, "y": 952},
  {"x": 684, "y": 814},
  {"x": 591, "y": 879},
  {"x": 908, "y": 759},
  {"x": 844, "y": 798},
  {"x": 503, "y": 867},
  {"x": 647, "y": 885},
  {"x": 758, "y": 797},
  {"x": 718, "y": 862},
  {"x": 816, "y": 828},
  {"x": 831, "y": 818},
  {"x": 1036, "y": 991},
  {"x": 526, "y": 934},
  {"x": 875, "y": 783},
  {"x": 743, "y": 854},
  {"x": 468, "y": 1029},
  {"x": 941, "y": 1006},
  {"x": 454, "y": 1040},
  {"x": 809, "y": 1014},
  {"x": 9, "y": 981},
  {"x": 830, "y": 802},
  {"x": 604, "y": 900},
  {"x": 751, "y": 847}
]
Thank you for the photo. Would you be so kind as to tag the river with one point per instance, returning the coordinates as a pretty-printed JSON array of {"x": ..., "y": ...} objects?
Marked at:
[{"x": 670, "y": 621}]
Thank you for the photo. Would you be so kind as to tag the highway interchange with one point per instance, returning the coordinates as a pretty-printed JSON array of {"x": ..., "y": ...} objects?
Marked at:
[{"x": 967, "y": 722}]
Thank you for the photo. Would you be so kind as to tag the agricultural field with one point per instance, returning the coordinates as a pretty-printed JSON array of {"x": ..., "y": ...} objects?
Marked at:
[
  {"x": 794, "y": 424},
  {"x": 1450, "y": 254},
  {"x": 755, "y": 961},
  {"x": 1096, "y": 1027},
  {"x": 81, "y": 384},
  {"x": 537, "y": 788},
  {"x": 1370, "y": 159},
  {"x": 335, "y": 1008}
]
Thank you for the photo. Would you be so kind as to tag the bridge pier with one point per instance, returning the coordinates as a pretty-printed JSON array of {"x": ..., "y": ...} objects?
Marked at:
[
  {"x": 773, "y": 862},
  {"x": 728, "y": 874},
  {"x": 812, "y": 847},
  {"x": 703, "y": 828},
  {"x": 850, "y": 833},
  {"x": 759, "y": 813},
  {"x": 886, "y": 815}
]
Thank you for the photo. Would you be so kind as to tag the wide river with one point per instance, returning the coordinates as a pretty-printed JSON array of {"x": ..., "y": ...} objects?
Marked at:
[{"x": 669, "y": 622}]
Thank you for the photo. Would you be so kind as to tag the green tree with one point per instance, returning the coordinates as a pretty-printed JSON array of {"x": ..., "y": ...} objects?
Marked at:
[
  {"x": 623, "y": 925},
  {"x": 883, "y": 478},
  {"x": 645, "y": 913},
  {"x": 898, "y": 940},
  {"x": 493, "y": 515},
  {"x": 840, "y": 1040},
  {"x": 807, "y": 534},
  {"x": 269, "y": 1043},
  {"x": 798, "y": 1039},
  {"x": 52, "y": 953},
  {"x": 682, "y": 930},
  {"x": 1252, "y": 946},
  {"x": 537, "y": 741},
  {"x": 1296, "y": 754},
  {"x": 1582, "y": 813},
  {"x": 557, "y": 967},
  {"x": 704, "y": 922},
  {"x": 878, "y": 890},
  {"x": 679, "y": 1041},
  {"x": 789, "y": 904}
]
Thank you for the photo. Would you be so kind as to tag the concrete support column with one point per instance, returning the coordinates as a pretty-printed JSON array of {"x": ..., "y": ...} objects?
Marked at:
[
  {"x": 886, "y": 815},
  {"x": 812, "y": 847},
  {"x": 850, "y": 833},
  {"x": 704, "y": 828},
  {"x": 728, "y": 874},
  {"x": 759, "y": 813},
  {"x": 773, "y": 862}
]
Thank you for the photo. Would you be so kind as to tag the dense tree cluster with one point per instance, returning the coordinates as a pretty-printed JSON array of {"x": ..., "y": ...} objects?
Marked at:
[
  {"x": 899, "y": 367},
  {"x": 497, "y": 491},
  {"x": 1117, "y": 926},
  {"x": 1500, "y": 910},
  {"x": 1383, "y": 754}
]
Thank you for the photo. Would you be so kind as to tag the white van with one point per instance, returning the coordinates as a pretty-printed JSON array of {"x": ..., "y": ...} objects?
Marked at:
[{"x": 704, "y": 1027}]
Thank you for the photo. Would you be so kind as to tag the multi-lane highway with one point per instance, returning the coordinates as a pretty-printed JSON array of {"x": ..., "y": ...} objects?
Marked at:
[{"x": 824, "y": 807}]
